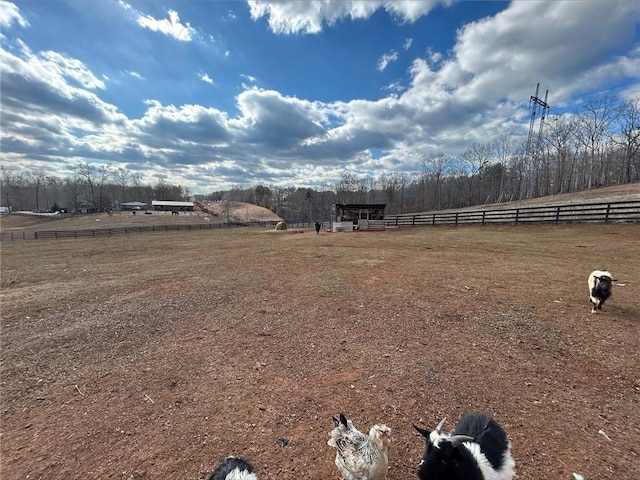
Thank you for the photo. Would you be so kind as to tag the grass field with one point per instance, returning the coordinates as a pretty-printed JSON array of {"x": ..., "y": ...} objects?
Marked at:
[{"x": 156, "y": 355}]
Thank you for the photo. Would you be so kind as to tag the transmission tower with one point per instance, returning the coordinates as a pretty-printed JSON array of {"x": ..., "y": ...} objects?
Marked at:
[{"x": 533, "y": 142}]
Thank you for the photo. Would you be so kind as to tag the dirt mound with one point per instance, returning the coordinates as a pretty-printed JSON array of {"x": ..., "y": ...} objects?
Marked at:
[{"x": 241, "y": 211}]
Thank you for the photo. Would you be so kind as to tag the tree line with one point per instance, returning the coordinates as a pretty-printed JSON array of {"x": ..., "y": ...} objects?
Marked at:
[{"x": 598, "y": 146}]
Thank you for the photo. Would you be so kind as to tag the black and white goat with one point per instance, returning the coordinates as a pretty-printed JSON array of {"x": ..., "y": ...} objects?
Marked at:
[
  {"x": 599, "y": 288},
  {"x": 233, "y": 468},
  {"x": 477, "y": 449}
]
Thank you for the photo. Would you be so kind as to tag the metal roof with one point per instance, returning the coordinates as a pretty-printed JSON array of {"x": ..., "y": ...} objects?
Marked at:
[
  {"x": 376, "y": 206},
  {"x": 167, "y": 203}
]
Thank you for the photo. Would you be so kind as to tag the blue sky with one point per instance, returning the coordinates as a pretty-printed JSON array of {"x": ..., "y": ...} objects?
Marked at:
[{"x": 214, "y": 94}]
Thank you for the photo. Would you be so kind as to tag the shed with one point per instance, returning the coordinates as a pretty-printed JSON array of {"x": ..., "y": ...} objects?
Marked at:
[
  {"x": 172, "y": 206},
  {"x": 86, "y": 207},
  {"x": 358, "y": 216}
]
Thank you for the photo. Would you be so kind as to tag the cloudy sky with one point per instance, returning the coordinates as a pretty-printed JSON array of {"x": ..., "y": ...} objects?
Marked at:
[{"x": 213, "y": 94}]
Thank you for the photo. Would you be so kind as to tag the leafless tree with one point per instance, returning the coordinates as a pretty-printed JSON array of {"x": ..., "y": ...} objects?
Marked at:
[
  {"x": 123, "y": 175},
  {"x": 87, "y": 174},
  {"x": 628, "y": 123},
  {"x": 592, "y": 130}
]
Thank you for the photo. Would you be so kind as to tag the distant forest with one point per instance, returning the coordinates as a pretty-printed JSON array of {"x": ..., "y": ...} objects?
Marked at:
[{"x": 600, "y": 146}]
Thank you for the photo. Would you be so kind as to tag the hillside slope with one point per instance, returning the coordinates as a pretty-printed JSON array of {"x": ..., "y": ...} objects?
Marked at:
[{"x": 626, "y": 192}]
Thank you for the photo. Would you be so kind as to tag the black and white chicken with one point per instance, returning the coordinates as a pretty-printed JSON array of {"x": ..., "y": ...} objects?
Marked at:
[
  {"x": 360, "y": 457},
  {"x": 233, "y": 468}
]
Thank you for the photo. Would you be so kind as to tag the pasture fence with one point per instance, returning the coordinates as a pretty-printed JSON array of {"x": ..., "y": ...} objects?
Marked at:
[
  {"x": 108, "y": 232},
  {"x": 605, "y": 212}
]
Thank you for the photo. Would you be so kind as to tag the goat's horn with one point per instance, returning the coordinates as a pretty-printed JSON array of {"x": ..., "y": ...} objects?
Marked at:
[
  {"x": 440, "y": 425},
  {"x": 458, "y": 439}
]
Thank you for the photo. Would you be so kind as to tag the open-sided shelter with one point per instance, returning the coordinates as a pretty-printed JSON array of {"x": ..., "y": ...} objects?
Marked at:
[
  {"x": 172, "y": 206},
  {"x": 358, "y": 216}
]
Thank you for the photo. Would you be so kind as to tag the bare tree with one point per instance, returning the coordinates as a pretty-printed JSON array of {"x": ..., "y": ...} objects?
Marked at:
[
  {"x": 37, "y": 177},
  {"x": 103, "y": 174},
  {"x": 593, "y": 128},
  {"x": 87, "y": 173},
  {"x": 476, "y": 158},
  {"x": 628, "y": 122},
  {"x": 7, "y": 181},
  {"x": 123, "y": 175},
  {"x": 560, "y": 136}
]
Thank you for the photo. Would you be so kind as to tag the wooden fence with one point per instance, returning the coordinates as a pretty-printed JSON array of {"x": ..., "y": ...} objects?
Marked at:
[
  {"x": 607, "y": 212},
  {"x": 108, "y": 232}
]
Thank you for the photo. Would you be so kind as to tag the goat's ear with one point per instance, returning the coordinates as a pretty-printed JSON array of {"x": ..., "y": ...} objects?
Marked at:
[
  {"x": 422, "y": 431},
  {"x": 335, "y": 421},
  {"x": 343, "y": 420}
]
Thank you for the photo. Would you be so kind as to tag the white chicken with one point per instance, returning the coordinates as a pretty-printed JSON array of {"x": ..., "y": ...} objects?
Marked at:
[{"x": 360, "y": 457}]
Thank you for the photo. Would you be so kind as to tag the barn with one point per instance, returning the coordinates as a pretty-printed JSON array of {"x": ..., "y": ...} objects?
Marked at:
[
  {"x": 348, "y": 217},
  {"x": 172, "y": 206}
]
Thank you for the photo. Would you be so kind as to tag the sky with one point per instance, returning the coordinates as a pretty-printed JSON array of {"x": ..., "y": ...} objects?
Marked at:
[{"x": 213, "y": 95}]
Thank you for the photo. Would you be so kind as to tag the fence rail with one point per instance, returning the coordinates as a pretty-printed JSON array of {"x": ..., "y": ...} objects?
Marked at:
[
  {"x": 605, "y": 212},
  {"x": 619, "y": 211},
  {"x": 108, "y": 232}
]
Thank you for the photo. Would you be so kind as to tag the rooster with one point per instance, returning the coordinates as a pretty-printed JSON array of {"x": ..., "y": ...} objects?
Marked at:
[
  {"x": 232, "y": 468},
  {"x": 360, "y": 457}
]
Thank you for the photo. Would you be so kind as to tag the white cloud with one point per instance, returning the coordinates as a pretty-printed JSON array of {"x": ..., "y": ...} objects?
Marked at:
[
  {"x": 407, "y": 43},
  {"x": 171, "y": 27},
  {"x": 133, "y": 74},
  {"x": 206, "y": 78},
  {"x": 386, "y": 59},
  {"x": 10, "y": 14},
  {"x": 291, "y": 17},
  {"x": 474, "y": 93},
  {"x": 249, "y": 77}
]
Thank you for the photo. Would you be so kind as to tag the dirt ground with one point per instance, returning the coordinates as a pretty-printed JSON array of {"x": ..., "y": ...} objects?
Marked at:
[{"x": 156, "y": 355}]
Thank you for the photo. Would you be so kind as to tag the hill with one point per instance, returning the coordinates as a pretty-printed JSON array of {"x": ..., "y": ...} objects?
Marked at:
[{"x": 628, "y": 191}]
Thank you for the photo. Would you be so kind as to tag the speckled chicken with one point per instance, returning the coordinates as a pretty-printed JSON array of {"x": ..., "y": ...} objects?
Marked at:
[{"x": 360, "y": 457}]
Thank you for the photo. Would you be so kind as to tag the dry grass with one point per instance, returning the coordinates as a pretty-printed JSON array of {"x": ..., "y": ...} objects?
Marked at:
[{"x": 155, "y": 355}]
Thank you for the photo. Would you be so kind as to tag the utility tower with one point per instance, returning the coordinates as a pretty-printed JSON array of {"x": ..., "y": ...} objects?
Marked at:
[{"x": 532, "y": 149}]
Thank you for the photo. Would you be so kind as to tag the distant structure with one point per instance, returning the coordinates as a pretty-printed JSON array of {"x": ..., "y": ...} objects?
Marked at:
[
  {"x": 133, "y": 206},
  {"x": 348, "y": 217},
  {"x": 171, "y": 206},
  {"x": 534, "y": 142}
]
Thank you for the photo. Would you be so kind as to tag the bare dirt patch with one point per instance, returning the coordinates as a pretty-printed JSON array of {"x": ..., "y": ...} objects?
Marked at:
[{"x": 156, "y": 355}]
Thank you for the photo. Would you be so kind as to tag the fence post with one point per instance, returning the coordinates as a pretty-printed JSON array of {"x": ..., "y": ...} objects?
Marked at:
[
  {"x": 483, "y": 214},
  {"x": 433, "y": 219},
  {"x": 557, "y": 213},
  {"x": 606, "y": 216},
  {"x": 413, "y": 221},
  {"x": 456, "y": 219},
  {"x": 517, "y": 215}
]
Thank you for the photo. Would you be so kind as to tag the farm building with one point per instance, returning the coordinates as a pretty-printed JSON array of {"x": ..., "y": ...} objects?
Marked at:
[
  {"x": 171, "y": 206},
  {"x": 86, "y": 207},
  {"x": 358, "y": 216},
  {"x": 133, "y": 206}
]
